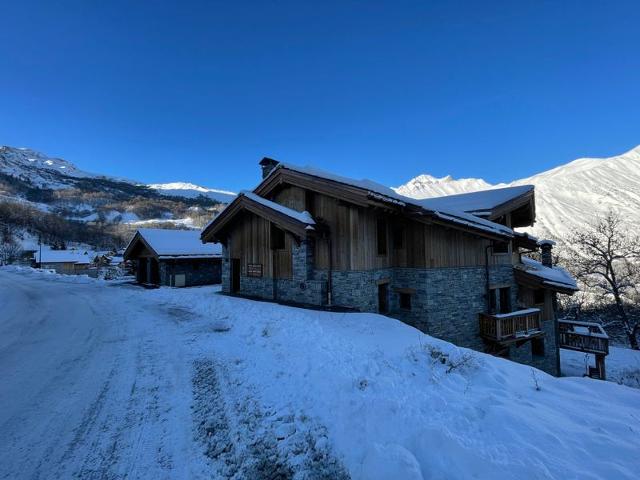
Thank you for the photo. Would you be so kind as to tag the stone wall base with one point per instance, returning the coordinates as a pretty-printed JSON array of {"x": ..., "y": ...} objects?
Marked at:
[{"x": 445, "y": 302}]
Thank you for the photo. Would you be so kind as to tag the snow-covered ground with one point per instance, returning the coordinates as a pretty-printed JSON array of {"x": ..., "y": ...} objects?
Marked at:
[
  {"x": 108, "y": 380},
  {"x": 622, "y": 365}
]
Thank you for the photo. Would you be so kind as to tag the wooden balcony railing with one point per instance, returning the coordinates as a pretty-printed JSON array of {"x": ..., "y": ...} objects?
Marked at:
[
  {"x": 511, "y": 327},
  {"x": 585, "y": 337}
]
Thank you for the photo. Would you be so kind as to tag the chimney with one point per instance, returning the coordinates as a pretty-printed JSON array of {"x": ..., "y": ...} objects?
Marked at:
[
  {"x": 268, "y": 164},
  {"x": 545, "y": 251}
]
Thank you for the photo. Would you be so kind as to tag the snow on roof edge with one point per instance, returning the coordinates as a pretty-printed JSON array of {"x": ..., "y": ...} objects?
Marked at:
[
  {"x": 375, "y": 188},
  {"x": 302, "y": 217},
  {"x": 176, "y": 243}
]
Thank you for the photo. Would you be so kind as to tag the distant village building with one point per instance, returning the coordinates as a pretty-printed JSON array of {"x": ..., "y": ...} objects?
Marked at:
[
  {"x": 68, "y": 262},
  {"x": 173, "y": 258},
  {"x": 452, "y": 266}
]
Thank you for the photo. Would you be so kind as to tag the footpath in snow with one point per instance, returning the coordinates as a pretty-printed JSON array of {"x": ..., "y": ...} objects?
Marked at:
[{"x": 205, "y": 384}]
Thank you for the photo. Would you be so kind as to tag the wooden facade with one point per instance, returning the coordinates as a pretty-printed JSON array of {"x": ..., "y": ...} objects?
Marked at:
[
  {"x": 388, "y": 254},
  {"x": 250, "y": 240},
  {"x": 409, "y": 243}
]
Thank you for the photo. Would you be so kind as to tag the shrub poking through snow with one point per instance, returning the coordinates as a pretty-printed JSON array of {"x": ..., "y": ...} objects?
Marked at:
[
  {"x": 535, "y": 380},
  {"x": 456, "y": 360}
]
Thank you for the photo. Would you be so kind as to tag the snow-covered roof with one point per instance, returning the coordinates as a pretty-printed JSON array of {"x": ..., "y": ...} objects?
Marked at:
[
  {"x": 178, "y": 243},
  {"x": 481, "y": 202},
  {"x": 63, "y": 256},
  {"x": 384, "y": 193},
  {"x": 302, "y": 217},
  {"x": 550, "y": 276}
]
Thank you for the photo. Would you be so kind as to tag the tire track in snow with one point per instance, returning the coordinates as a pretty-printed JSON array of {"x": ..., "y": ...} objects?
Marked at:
[{"x": 243, "y": 442}]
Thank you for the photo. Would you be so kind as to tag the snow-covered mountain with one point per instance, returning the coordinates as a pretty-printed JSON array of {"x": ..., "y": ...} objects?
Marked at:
[
  {"x": 566, "y": 196},
  {"x": 190, "y": 190},
  {"x": 42, "y": 171},
  {"x": 427, "y": 186},
  {"x": 52, "y": 191},
  {"x": 38, "y": 169}
]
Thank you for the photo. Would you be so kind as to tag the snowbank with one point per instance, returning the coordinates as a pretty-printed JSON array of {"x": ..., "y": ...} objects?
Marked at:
[
  {"x": 400, "y": 404},
  {"x": 50, "y": 274}
]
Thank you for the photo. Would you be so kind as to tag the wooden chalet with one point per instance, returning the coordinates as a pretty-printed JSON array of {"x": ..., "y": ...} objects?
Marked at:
[
  {"x": 66, "y": 262},
  {"x": 452, "y": 266},
  {"x": 173, "y": 258}
]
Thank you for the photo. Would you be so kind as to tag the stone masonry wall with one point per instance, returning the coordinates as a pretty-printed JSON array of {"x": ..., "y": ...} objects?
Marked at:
[
  {"x": 226, "y": 271},
  {"x": 197, "y": 272},
  {"x": 445, "y": 302}
]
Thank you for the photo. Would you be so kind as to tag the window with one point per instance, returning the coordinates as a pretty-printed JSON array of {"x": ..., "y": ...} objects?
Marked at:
[
  {"x": 537, "y": 347},
  {"x": 505, "y": 300},
  {"x": 383, "y": 298},
  {"x": 405, "y": 300},
  {"x": 309, "y": 201},
  {"x": 500, "y": 300},
  {"x": 500, "y": 247},
  {"x": 538, "y": 296},
  {"x": 398, "y": 238},
  {"x": 277, "y": 238},
  {"x": 493, "y": 301},
  {"x": 381, "y": 234}
]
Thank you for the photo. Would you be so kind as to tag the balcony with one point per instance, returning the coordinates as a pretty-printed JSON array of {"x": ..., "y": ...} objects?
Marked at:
[
  {"x": 584, "y": 337},
  {"x": 505, "y": 328}
]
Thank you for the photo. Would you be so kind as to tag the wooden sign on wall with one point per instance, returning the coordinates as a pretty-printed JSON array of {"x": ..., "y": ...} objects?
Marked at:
[{"x": 254, "y": 269}]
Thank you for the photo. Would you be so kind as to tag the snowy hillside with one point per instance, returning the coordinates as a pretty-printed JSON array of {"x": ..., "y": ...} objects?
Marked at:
[
  {"x": 39, "y": 169},
  {"x": 42, "y": 171},
  {"x": 574, "y": 193},
  {"x": 566, "y": 196},
  {"x": 33, "y": 182}
]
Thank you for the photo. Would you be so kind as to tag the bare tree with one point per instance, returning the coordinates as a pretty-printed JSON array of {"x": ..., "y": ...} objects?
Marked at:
[
  {"x": 9, "y": 249},
  {"x": 607, "y": 260}
]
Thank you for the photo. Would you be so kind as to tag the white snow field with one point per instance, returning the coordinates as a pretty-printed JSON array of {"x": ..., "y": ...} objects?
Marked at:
[{"x": 108, "y": 380}]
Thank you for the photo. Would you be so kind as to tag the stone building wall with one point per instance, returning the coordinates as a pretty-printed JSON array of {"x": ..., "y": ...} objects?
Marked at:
[
  {"x": 196, "y": 271},
  {"x": 445, "y": 302}
]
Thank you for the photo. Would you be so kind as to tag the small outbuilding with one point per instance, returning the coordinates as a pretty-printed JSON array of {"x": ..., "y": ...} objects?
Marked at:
[
  {"x": 68, "y": 262},
  {"x": 174, "y": 258}
]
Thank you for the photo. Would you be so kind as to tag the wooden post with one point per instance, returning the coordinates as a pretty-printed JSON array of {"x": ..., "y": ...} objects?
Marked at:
[
  {"x": 600, "y": 366},
  {"x": 498, "y": 328}
]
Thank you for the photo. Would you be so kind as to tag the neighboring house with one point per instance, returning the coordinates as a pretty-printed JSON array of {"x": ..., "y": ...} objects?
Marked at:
[
  {"x": 174, "y": 258},
  {"x": 450, "y": 266},
  {"x": 69, "y": 262}
]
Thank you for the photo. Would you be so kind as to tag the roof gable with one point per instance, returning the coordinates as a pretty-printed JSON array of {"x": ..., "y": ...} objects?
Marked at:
[
  {"x": 369, "y": 193},
  {"x": 286, "y": 218},
  {"x": 484, "y": 201}
]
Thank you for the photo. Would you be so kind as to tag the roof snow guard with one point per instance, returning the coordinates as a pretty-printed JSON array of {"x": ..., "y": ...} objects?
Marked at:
[
  {"x": 298, "y": 223},
  {"x": 555, "y": 278},
  {"x": 353, "y": 190}
]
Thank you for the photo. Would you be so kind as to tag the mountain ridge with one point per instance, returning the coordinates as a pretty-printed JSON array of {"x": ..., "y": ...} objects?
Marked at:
[{"x": 567, "y": 196}]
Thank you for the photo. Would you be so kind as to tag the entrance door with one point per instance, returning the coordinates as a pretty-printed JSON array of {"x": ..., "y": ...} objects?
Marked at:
[
  {"x": 383, "y": 298},
  {"x": 142, "y": 270},
  {"x": 154, "y": 272},
  {"x": 235, "y": 275}
]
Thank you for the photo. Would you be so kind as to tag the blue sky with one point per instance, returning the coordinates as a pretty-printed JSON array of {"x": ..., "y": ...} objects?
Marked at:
[{"x": 200, "y": 91}]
